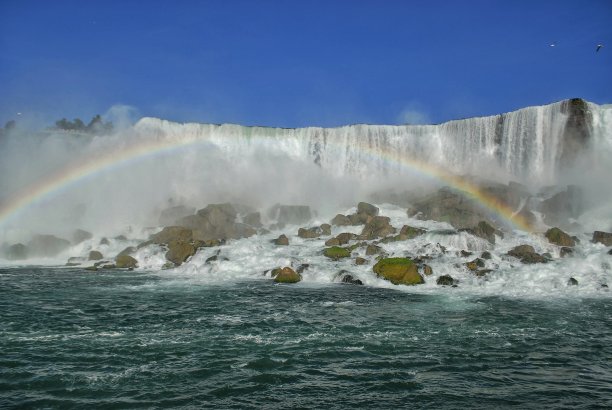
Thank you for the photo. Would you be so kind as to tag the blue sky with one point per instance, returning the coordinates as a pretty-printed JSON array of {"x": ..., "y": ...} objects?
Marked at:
[{"x": 290, "y": 63}]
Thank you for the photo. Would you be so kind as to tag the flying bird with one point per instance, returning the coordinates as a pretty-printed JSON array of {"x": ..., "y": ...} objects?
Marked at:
[
  {"x": 553, "y": 44},
  {"x": 598, "y": 47}
]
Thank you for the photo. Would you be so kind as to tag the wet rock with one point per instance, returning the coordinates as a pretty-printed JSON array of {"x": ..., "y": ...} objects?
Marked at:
[
  {"x": 527, "y": 254},
  {"x": 485, "y": 255},
  {"x": 336, "y": 252},
  {"x": 332, "y": 242},
  {"x": 377, "y": 227},
  {"x": 179, "y": 251},
  {"x": 558, "y": 237},
  {"x": 475, "y": 264},
  {"x": 445, "y": 280},
  {"x": 399, "y": 271},
  {"x": 127, "y": 251},
  {"x": 47, "y": 245},
  {"x": 465, "y": 254},
  {"x": 411, "y": 232},
  {"x": 373, "y": 250},
  {"x": 349, "y": 279},
  {"x": 104, "y": 241},
  {"x": 287, "y": 275},
  {"x": 282, "y": 240},
  {"x": 216, "y": 221},
  {"x": 610, "y": 252},
  {"x": 300, "y": 269},
  {"x": 341, "y": 220},
  {"x": 602, "y": 237},
  {"x": 172, "y": 234},
  {"x": 367, "y": 209},
  {"x": 125, "y": 261},
  {"x": 345, "y": 237},
  {"x": 572, "y": 282},
  {"x": 484, "y": 230},
  {"x": 16, "y": 252},
  {"x": 482, "y": 272},
  {"x": 427, "y": 270},
  {"x": 80, "y": 235},
  {"x": 360, "y": 261},
  {"x": 325, "y": 229},
  {"x": 95, "y": 256},
  {"x": 310, "y": 233},
  {"x": 253, "y": 219},
  {"x": 565, "y": 251}
]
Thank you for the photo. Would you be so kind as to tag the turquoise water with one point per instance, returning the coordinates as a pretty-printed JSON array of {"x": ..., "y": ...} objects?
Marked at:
[{"x": 72, "y": 338}]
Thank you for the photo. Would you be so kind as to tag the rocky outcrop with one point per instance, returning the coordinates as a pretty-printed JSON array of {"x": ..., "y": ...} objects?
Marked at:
[
  {"x": 527, "y": 254},
  {"x": 216, "y": 221},
  {"x": 399, "y": 271},
  {"x": 341, "y": 220},
  {"x": 314, "y": 232},
  {"x": 286, "y": 275},
  {"x": 558, "y": 237},
  {"x": 377, "y": 227},
  {"x": 577, "y": 132},
  {"x": 559, "y": 208},
  {"x": 484, "y": 230},
  {"x": 602, "y": 237},
  {"x": 125, "y": 261},
  {"x": 95, "y": 256},
  {"x": 47, "y": 245}
]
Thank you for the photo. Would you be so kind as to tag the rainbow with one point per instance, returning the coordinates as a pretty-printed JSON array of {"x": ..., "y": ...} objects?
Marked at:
[{"x": 90, "y": 166}]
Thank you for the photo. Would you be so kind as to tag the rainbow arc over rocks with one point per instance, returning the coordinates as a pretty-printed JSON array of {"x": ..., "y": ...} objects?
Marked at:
[{"x": 88, "y": 167}]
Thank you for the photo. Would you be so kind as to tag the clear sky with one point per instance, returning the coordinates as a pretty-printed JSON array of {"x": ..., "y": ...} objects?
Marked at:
[{"x": 298, "y": 63}]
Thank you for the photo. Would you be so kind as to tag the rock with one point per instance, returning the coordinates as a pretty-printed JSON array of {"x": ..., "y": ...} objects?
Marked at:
[
  {"x": 377, "y": 227},
  {"x": 169, "y": 216},
  {"x": 563, "y": 206},
  {"x": 241, "y": 230},
  {"x": 325, "y": 229},
  {"x": 349, "y": 279},
  {"x": 75, "y": 261},
  {"x": 465, "y": 254},
  {"x": 95, "y": 256},
  {"x": 445, "y": 280},
  {"x": 172, "y": 234},
  {"x": 602, "y": 237},
  {"x": 610, "y": 252},
  {"x": 565, "y": 251},
  {"x": 80, "y": 235},
  {"x": 336, "y": 252},
  {"x": 572, "y": 282},
  {"x": 104, "y": 241},
  {"x": 287, "y": 275},
  {"x": 47, "y": 245},
  {"x": 310, "y": 233},
  {"x": 368, "y": 209},
  {"x": 300, "y": 269},
  {"x": 341, "y": 220},
  {"x": 427, "y": 270},
  {"x": 92, "y": 268},
  {"x": 373, "y": 250},
  {"x": 411, "y": 232},
  {"x": 485, "y": 255},
  {"x": 558, "y": 237},
  {"x": 125, "y": 261},
  {"x": 282, "y": 240},
  {"x": 483, "y": 230},
  {"x": 359, "y": 219},
  {"x": 16, "y": 252},
  {"x": 332, "y": 242},
  {"x": 127, "y": 251},
  {"x": 179, "y": 251},
  {"x": 360, "y": 261},
  {"x": 475, "y": 264},
  {"x": 527, "y": 254},
  {"x": 345, "y": 237},
  {"x": 290, "y": 214},
  {"x": 482, "y": 272},
  {"x": 253, "y": 219},
  {"x": 399, "y": 271},
  {"x": 216, "y": 221}
]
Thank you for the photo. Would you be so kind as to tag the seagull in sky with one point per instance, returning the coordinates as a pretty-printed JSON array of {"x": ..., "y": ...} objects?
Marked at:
[
  {"x": 553, "y": 44},
  {"x": 599, "y": 46}
]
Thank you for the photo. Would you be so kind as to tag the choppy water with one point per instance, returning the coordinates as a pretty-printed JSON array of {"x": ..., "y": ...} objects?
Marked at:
[{"x": 72, "y": 338}]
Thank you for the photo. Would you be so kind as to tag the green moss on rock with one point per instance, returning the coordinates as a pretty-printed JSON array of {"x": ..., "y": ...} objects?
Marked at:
[
  {"x": 286, "y": 275},
  {"x": 399, "y": 271}
]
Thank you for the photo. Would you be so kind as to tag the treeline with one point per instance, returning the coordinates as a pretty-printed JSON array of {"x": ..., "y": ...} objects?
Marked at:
[{"x": 96, "y": 125}]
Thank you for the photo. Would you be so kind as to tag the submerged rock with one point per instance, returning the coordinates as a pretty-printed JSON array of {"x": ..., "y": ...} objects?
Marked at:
[
  {"x": 399, "y": 271},
  {"x": 558, "y": 237},
  {"x": 565, "y": 251},
  {"x": 349, "y": 279}
]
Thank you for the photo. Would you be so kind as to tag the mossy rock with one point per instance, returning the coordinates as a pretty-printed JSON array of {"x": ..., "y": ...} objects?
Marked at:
[
  {"x": 287, "y": 275},
  {"x": 399, "y": 271},
  {"x": 558, "y": 237},
  {"x": 337, "y": 252},
  {"x": 125, "y": 261}
]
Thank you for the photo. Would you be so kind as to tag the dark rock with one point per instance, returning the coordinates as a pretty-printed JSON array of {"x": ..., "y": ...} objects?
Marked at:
[
  {"x": 300, "y": 269},
  {"x": 16, "y": 252},
  {"x": 80, "y": 235},
  {"x": 287, "y": 275},
  {"x": 486, "y": 255},
  {"x": 572, "y": 282},
  {"x": 349, "y": 279},
  {"x": 475, "y": 264},
  {"x": 565, "y": 251},
  {"x": 372, "y": 250},
  {"x": 345, "y": 237},
  {"x": 465, "y": 254},
  {"x": 282, "y": 240},
  {"x": 47, "y": 245},
  {"x": 360, "y": 261},
  {"x": 95, "y": 256},
  {"x": 399, "y": 271},
  {"x": 125, "y": 261},
  {"x": 484, "y": 230},
  {"x": 602, "y": 237},
  {"x": 445, "y": 280},
  {"x": 558, "y": 237},
  {"x": 578, "y": 130},
  {"x": 527, "y": 254},
  {"x": 610, "y": 252},
  {"x": 368, "y": 209},
  {"x": 341, "y": 220},
  {"x": 104, "y": 241}
]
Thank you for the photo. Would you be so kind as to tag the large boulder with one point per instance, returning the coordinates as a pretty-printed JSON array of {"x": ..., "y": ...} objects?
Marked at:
[
  {"x": 282, "y": 240},
  {"x": 341, "y": 220},
  {"x": 527, "y": 254},
  {"x": 377, "y": 227},
  {"x": 484, "y": 230},
  {"x": 179, "y": 251},
  {"x": 171, "y": 234},
  {"x": 169, "y": 216},
  {"x": 559, "y": 208},
  {"x": 602, "y": 237},
  {"x": 216, "y": 221},
  {"x": 445, "y": 280},
  {"x": 286, "y": 275},
  {"x": 47, "y": 245},
  {"x": 367, "y": 209},
  {"x": 399, "y": 271},
  {"x": 558, "y": 237},
  {"x": 125, "y": 261},
  {"x": 95, "y": 256}
]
